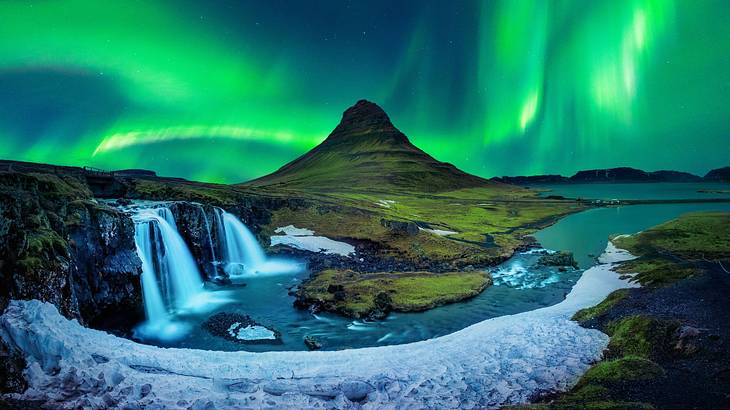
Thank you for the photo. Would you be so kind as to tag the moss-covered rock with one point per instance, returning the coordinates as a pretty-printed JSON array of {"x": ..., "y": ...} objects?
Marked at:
[
  {"x": 373, "y": 295},
  {"x": 591, "y": 313}
]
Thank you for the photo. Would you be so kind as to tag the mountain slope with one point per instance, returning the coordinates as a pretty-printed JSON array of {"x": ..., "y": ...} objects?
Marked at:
[{"x": 366, "y": 152}]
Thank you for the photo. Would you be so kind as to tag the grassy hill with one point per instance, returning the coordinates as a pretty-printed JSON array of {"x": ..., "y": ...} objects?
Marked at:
[{"x": 365, "y": 152}]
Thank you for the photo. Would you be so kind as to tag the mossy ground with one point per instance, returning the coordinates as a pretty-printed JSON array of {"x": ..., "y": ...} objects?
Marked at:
[
  {"x": 488, "y": 225},
  {"x": 360, "y": 295},
  {"x": 639, "y": 343},
  {"x": 590, "y": 313}
]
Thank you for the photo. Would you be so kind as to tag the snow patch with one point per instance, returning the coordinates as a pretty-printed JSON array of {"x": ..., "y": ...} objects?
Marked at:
[
  {"x": 294, "y": 231},
  {"x": 504, "y": 360},
  {"x": 250, "y": 332},
  {"x": 439, "y": 232},
  {"x": 385, "y": 203},
  {"x": 304, "y": 239}
]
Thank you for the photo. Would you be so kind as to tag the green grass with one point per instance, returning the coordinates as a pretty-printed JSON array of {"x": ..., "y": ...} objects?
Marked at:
[
  {"x": 487, "y": 226},
  {"x": 627, "y": 369},
  {"x": 692, "y": 237},
  {"x": 656, "y": 271},
  {"x": 639, "y": 335},
  {"x": 590, "y": 313},
  {"x": 405, "y": 291}
]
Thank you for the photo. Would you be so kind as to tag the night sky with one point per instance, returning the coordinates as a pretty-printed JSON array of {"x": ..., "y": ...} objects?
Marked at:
[{"x": 229, "y": 90}]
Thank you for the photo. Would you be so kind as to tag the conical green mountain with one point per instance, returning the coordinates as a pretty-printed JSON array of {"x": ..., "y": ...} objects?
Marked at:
[{"x": 366, "y": 152}]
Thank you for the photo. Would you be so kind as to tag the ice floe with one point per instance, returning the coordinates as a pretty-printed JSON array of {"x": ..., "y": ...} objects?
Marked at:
[
  {"x": 504, "y": 360},
  {"x": 304, "y": 239}
]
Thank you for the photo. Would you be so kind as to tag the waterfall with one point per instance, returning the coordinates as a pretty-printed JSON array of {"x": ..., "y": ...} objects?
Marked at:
[
  {"x": 242, "y": 253},
  {"x": 171, "y": 282},
  {"x": 154, "y": 306},
  {"x": 168, "y": 257},
  {"x": 213, "y": 259}
]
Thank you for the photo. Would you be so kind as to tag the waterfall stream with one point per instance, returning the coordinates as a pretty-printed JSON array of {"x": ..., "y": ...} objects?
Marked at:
[
  {"x": 171, "y": 282},
  {"x": 172, "y": 285},
  {"x": 242, "y": 253}
]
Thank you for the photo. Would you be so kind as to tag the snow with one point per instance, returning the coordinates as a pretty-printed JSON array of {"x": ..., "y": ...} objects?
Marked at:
[
  {"x": 250, "y": 332},
  {"x": 294, "y": 231},
  {"x": 385, "y": 203},
  {"x": 439, "y": 232},
  {"x": 304, "y": 239},
  {"x": 504, "y": 360}
]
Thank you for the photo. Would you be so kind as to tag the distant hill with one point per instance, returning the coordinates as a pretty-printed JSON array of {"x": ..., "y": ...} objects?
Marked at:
[
  {"x": 718, "y": 175},
  {"x": 609, "y": 175},
  {"x": 367, "y": 152}
]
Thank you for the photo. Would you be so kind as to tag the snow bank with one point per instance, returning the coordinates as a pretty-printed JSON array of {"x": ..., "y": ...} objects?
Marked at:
[
  {"x": 505, "y": 360},
  {"x": 304, "y": 239},
  {"x": 439, "y": 232}
]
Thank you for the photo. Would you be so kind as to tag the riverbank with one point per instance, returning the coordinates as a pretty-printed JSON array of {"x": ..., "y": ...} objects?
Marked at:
[
  {"x": 668, "y": 346},
  {"x": 505, "y": 360}
]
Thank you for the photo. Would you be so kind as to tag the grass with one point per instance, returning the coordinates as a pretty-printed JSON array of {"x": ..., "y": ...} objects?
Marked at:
[
  {"x": 667, "y": 253},
  {"x": 656, "y": 271},
  {"x": 359, "y": 295},
  {"x": 639, "y": 335},
  {"x": 691, "y": 237},
  {"x": 488, "y": 227},
  {"x": 590, "y": 313},
  {"x": 626, "y": 369}
]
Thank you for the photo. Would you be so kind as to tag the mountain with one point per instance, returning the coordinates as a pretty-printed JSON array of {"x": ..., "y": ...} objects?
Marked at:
[
  {"x": 532, "y": 179},
  {"x": 718, "y": 175},
  {"x": 367, "y": 152},
  {"x": 609, "y": 175}
]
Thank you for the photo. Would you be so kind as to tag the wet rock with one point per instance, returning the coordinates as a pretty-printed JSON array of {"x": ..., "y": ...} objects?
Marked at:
[
  {"x": 687, "y": 340},
  {"x": 230, "y": 325},
  {"x": 312, "y": 343},
  {"x": 561, "y": 258}
]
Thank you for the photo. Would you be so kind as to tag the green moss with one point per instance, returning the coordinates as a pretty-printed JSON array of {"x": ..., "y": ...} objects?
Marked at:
[
  {"x": 587, "y": 314},
  {"x": 619, "y": 371},
  {"x": 656, "y": 271},
  {"x": 692, "y": 237},
  {"x": 487, "y": 226},
  {"x": 358, "y": 295},
  {"x": 639, "y": 335},
  {"x": 44, "y": 242}
]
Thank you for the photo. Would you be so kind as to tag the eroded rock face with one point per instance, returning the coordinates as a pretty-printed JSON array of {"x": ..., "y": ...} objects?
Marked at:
[{"x": 57, "y": 244}]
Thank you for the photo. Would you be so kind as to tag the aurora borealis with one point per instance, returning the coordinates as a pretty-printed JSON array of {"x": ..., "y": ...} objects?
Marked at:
[{"x": 226, "y": 91}]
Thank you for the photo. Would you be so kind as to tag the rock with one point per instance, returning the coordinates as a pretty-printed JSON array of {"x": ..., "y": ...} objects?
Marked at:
[
  {"x": 335, "y": 288},
  {"x": 400, "y": 227},
  {"x": 312, "y": 343},
  {"x": 687, "y": 337},
  {"x": 561, "y": 258},
  {"x": 227, "y": 325},
  {"x": 57, "y": 244}
]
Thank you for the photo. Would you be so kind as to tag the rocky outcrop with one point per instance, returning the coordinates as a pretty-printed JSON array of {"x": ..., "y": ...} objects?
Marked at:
[
  {"x": 57, "y": 244},
  {"x": 400, "y": 227},
  {"x": 561, "y": 258}
]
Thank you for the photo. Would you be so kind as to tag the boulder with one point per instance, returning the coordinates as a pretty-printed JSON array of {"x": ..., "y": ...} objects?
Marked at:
[{"x": 400, "y": 227}]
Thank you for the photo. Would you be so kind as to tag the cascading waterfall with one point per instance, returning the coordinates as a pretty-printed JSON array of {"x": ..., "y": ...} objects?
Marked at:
[
  {"x": 171, "y": 283},
  {"x": 242, "y": 253},
  {"x": 214, "y": 260}
]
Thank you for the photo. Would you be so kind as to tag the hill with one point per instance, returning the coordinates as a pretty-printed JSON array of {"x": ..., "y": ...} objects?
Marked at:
[{"x": 366, "y": 152}]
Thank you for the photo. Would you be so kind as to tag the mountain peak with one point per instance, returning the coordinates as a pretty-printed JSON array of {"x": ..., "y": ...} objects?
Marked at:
[
  {"x": 365, "y": 152},
  {"x": 363, "y": 117}
]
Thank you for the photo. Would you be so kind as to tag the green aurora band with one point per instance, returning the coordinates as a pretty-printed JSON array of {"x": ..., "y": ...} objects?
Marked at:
[{"x": 226, "y": 91}]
